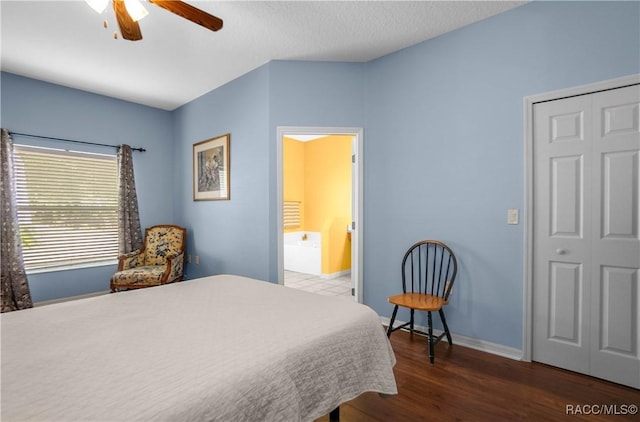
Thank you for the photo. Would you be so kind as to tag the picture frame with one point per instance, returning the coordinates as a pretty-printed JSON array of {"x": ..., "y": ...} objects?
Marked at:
[{"x": 211, "y": 169}]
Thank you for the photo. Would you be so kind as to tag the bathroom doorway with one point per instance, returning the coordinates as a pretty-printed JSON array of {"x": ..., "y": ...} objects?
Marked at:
[{"x": 319, "y": 241}]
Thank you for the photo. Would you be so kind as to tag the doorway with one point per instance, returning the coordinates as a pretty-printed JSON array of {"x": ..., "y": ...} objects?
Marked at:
[
  {"x": 341, "y": 232},
  {"x": 583, "y": 245}
]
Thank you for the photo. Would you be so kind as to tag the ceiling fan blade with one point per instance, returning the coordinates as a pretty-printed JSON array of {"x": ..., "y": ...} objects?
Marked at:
[
  {"x": 191, "y": 13},
  {"x": 129, "y": 29}
]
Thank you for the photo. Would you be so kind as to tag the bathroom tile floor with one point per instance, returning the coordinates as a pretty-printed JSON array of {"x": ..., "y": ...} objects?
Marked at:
[{"x": 340, "y": 286}]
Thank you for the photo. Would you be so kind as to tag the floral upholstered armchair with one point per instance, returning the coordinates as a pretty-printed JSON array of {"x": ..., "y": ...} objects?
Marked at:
[{"x": 160, "y": 261}]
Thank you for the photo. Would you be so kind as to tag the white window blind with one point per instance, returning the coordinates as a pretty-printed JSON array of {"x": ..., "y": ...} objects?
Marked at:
[
  {"x": 291, "y": 214},
  {"x": 67, "y": 206}
]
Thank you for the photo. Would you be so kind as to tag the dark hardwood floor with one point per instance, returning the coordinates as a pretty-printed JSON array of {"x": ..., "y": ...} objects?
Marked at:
[{"x": 468, "y": 385}]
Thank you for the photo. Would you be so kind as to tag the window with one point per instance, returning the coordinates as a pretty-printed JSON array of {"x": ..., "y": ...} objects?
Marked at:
[
  {"x": 67, "y": 207},
  {"x": 291, "y": 214}
]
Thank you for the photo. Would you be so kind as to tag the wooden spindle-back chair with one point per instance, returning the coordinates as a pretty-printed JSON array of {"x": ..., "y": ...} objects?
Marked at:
[{"x": 429, "y": 269}]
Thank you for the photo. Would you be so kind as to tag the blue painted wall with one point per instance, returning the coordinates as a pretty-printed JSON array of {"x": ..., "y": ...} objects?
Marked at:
[
  {"x": 443, "y": 148},
  {"x": 228, "y": 236},
  {"x": 445, "y": 151},
  {"x": 239, "y": 236},
  {"x": 309, "y": 94},
  {"x": 41, "y": 108}
]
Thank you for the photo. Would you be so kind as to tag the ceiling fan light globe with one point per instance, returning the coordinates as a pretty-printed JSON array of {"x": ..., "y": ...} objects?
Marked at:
[
  {"x": 135, "y": 9},
  {"x": 98, "y": 5}
]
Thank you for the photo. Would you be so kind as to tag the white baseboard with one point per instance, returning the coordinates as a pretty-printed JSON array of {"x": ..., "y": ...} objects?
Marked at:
[
  {"x": 335, "y": 275},
  {"x": 66, "y": 299},
  {"x": 472, "y": 343}
]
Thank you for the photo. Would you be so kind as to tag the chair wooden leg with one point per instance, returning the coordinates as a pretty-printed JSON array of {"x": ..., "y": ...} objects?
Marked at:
[
  {"x": 393, "y": 318},
  {"x": 431, "y": 344},
  {"x": 444, "y": 324}
]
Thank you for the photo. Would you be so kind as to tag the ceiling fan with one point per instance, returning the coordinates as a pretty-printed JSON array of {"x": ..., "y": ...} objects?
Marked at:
[{"x": 129, "y": 12}]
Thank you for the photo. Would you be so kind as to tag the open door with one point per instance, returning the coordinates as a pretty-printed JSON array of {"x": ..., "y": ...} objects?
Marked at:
[{"x": 352, "y": 227}]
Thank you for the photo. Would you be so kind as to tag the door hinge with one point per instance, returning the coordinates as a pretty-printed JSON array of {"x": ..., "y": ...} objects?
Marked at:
[
  {"x": 353, "y": 225},
  {"x": 353, "y": 158}
]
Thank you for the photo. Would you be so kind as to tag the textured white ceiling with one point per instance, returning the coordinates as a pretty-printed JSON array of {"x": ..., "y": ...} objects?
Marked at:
[{"x": 177, "y": 61}]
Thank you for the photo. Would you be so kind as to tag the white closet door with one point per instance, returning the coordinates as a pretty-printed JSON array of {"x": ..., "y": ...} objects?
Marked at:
[
  {"x": 561, "y": 275},
  {"x": 615, "y": 297},
  {"x": 586, "y": 243}
]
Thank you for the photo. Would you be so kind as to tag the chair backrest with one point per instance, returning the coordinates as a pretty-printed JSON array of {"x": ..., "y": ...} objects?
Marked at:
[
  {"x": 162, "y": 241},
  {"x": 430, "y": 267}
]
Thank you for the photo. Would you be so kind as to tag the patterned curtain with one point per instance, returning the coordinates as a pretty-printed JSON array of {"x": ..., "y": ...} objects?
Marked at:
[
  {"x": 15, "y": 287},
  {"x": 129, "y": 232}
]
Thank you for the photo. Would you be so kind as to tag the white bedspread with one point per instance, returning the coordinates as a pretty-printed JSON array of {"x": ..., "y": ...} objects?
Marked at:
[{"x": 220, "y": 348}]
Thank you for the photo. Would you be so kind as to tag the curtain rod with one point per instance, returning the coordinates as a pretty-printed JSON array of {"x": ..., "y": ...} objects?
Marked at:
[{"x": 71, "y": 140}]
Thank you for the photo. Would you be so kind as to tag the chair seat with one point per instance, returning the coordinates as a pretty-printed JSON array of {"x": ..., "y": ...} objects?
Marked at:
[
  {"x": 149, "y": 275},
  {"x": 420, "y": 301}
]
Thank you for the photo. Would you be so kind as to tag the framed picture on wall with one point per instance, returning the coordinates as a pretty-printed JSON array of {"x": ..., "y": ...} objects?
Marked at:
[{"x": 211, "y": 169}]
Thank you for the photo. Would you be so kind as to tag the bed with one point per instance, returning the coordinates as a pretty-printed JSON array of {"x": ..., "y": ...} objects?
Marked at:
[{"x": 219, "y": 348}]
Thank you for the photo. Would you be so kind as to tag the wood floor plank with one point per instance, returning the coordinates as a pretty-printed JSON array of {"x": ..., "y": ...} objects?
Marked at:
[{"x": 469, "y": 385}]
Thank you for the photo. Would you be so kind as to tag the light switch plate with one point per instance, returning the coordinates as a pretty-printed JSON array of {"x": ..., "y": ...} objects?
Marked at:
[{"x": 512, "y": 216}]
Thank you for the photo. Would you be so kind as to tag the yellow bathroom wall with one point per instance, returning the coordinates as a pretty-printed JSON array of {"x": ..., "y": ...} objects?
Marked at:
[
  {"x": 327, "y": 196},
  {"x": 293, "y": 176},
  {"x": 318, "y": 175}
]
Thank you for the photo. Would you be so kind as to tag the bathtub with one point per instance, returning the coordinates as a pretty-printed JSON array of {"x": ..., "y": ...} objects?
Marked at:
[{"x": 303, "y": 256}]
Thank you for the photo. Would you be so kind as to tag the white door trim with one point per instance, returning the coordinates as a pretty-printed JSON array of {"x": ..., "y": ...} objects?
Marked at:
[
  {"x": 356, "y": 236},
  {"x": 527, "y": 308}
]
